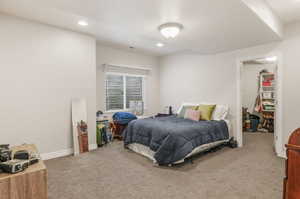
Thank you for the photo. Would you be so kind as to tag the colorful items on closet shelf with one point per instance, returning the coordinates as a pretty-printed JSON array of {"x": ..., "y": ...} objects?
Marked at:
[
  {"x": 268, "y": 95},
  {"x": 268, "y": 122},
  {"x": 268, "y": 80},
  {"x": 267, "y": 83},
  {"x": 268, "y": 106}
]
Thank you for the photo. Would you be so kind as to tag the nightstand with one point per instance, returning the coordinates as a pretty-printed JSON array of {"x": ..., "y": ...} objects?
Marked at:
[
  {"x": 117, "y": 130},
  {"x": 162, "y": 115}
]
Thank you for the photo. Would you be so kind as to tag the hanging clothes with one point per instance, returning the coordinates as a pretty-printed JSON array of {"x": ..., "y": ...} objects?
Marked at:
[{"x": 258, "y": 104}]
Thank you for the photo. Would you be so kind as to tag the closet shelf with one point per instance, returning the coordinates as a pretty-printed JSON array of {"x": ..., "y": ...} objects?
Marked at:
[{"x": 271, "y": 111}]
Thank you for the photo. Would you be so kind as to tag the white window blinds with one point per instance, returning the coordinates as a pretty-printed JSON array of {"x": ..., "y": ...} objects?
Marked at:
[
  {"x": 121, "y": 89},
  {"x": 114, "y": 92},
  {"x": 124, "y": 84},
  {"x": 134, "y": 89}
]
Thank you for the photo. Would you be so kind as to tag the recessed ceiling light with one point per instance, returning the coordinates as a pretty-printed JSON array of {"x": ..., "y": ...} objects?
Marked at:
[
  {"x": 271, "y": 59},
  {"x": 170, "y": 30},
  {"x": 160, "y": 44},
  {"x": 83, "y": 23}
]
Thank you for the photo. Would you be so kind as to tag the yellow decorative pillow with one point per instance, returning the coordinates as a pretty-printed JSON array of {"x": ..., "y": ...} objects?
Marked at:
[{"x": 206, "y": 111}]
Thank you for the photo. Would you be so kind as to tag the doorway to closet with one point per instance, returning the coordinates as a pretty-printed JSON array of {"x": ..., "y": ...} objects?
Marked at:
[{"x": 258, "y": 89}]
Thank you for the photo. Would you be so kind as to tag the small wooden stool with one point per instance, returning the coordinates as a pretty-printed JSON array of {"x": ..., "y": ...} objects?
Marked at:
[{"x": 117, "y": 130}]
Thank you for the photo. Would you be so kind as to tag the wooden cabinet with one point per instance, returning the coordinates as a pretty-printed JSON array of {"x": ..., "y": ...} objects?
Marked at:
[
  {"x": 29, "y": 184},
  {"x": 162, "y": 115},
  {"x": 291, "y": 183}
]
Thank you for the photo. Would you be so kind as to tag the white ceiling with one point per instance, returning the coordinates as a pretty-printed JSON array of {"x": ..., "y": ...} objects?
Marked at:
[
  {"x": 210, "y": 26},
  {"x": 287, "y": 10}
]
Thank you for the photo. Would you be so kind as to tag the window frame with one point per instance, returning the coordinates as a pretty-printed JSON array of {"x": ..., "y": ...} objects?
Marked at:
[{"x": 124, "y": 75}]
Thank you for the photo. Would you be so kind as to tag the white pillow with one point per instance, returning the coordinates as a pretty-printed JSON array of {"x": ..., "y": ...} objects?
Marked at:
[
  {"x": 186, "y": 104},
  {"x": 220, "y": 112}
]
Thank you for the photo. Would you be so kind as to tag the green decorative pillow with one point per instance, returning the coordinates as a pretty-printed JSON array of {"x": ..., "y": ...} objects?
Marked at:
[
  {"x": 184, "y": 109},
  {"x": 206, "y": 111}
]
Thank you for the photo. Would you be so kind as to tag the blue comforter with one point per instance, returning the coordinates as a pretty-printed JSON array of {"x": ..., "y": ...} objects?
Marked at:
[{"x": 172, "y": 138}]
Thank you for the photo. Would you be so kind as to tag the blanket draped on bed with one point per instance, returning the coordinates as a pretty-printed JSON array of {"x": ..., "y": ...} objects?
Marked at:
[{"x": 172, "y": 138}]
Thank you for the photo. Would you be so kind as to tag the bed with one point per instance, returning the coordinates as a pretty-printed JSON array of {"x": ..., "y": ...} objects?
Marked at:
[{"x": 171, "y": 140}]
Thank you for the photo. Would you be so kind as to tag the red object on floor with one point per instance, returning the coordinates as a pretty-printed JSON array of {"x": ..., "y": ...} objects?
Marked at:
[
  {"x": 83, "y": 143},
  {"x": 291, "y": 188}
]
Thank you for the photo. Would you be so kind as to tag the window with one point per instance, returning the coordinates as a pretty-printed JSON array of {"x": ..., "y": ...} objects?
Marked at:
[{"x": 121, "y": 89}]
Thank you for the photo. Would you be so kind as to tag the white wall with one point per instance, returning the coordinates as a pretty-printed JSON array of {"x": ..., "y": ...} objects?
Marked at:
[
  {"x": 250, "y": 82},
  {"x": 109, "y": 55},
  {"x": 196, "y": 78},
  {"x": 266, "y": 14},
  {"x": 42, "y": 69},
  {"x": 213, "y": 78}
]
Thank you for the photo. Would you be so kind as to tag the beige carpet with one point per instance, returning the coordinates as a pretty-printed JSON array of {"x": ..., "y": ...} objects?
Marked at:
[{"x": 112, "y": 172}]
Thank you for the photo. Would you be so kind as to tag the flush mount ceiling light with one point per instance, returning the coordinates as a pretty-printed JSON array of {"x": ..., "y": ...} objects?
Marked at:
[
  {"x": 83, "y": 23},
  {"x": 271, "y": 59},
  {"x": 160, "y": 44},
  {"x": 170, "y": 30}
]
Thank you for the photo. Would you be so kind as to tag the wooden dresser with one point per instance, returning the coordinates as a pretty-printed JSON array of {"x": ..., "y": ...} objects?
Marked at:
[
  {"x": 29, "y": 184},
  {"x": 291, "y": 187}
]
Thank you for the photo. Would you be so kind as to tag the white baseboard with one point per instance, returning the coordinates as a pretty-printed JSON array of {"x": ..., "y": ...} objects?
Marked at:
[
  {"x": 63, "y": 153},
  {"x": 93, "y": 147},
  {"x": 57, "y": 154},
  {"x": 282, "y": 154}
]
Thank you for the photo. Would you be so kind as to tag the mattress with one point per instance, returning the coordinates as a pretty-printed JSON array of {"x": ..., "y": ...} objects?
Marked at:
[{"x": 147, "y": 152}]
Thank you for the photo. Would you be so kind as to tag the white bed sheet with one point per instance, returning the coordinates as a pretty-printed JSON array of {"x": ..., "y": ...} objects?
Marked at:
[{"x": 147, "y": 152}]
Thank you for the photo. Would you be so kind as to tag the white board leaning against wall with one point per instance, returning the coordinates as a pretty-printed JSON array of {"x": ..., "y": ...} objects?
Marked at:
[{"x": 79, "y": 124}]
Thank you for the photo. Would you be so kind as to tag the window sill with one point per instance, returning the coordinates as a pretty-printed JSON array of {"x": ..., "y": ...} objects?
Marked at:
[{"x": 121, "y": 110}]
